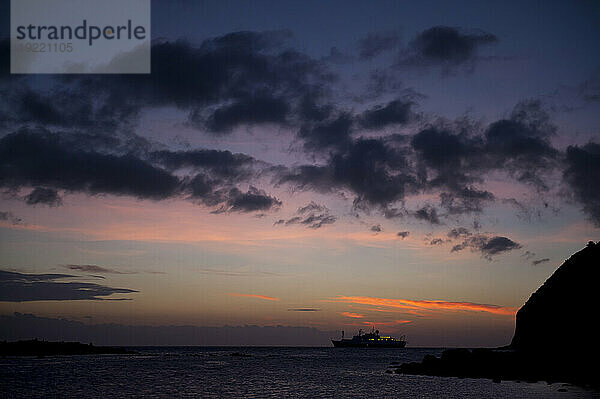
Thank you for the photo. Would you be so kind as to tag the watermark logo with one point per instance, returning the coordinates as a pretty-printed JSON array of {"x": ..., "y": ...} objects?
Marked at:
[{"x": 80, "y": 36}]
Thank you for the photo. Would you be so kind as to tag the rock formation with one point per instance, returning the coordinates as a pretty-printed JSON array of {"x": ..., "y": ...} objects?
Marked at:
[{"x": 555, "y": 335}]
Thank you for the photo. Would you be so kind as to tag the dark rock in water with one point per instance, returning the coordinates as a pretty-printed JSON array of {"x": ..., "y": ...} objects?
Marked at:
[
  {"x": 555, "y": 336},
  {"x": 45, "y": 348}
]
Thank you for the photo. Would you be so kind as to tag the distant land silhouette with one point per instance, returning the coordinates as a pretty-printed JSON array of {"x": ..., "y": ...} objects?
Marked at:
[
  {"x": 556, "y": 335},
  {"x": 44, "y": 348},
  {"x": 27, "y": 326}
]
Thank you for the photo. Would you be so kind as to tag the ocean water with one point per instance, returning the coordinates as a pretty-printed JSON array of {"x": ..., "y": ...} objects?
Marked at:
[{"x": 205, "y": 372}]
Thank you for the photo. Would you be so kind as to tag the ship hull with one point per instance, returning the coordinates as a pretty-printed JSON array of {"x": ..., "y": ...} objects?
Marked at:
[{"x": 354, "y": 344}]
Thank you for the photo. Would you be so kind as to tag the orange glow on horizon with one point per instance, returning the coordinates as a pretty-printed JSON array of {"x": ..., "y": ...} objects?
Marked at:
[
  {"x": 412, "y": 305},
  {"x": 268, "y": 298},
  {"x": 353, "y": 315}
]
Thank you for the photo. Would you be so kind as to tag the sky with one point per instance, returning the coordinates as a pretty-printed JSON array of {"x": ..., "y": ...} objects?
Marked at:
[{"x": 418, "y": 167}]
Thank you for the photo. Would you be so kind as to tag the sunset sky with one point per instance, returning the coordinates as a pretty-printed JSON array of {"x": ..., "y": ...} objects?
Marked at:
[{"x": 418, "y": 166}]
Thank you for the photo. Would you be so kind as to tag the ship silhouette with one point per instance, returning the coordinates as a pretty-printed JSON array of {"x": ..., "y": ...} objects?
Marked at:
[{"x": 370, "y": 340}]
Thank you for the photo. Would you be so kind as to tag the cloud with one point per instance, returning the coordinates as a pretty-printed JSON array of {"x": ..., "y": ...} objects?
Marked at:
[
  {"x": 311, "y": 215},
  {"x": 465, "y": 200},
  {"x": 255, "y": 109},
  {"x": 94, "y": 269},
  {"x": 46, "y": 196},
  {"x": 353, "y": 315},
  {"x": 40, "y": 158},
  {"x": 581, "y": 175},
  {"x": 376, "y": 228},
  {"x": 398, "y": 111},
  {"x": 403, "y": 234},
  {"x": 448, "y": 158},
  {"x": 369, "y": 168},
  {"x": 445, "y": 46},
  {"x": 521, "y": 144},
  {"x": 236, "y": 273},
  {"x": 268, "y": 298},
  {"x": 377, "y": 43},
  {"x": 222, "y": 164},
  {"x": 406, "y": 304},
  {"x": 324, "y": 135},
  {"x": 9, "y": 217},
  {"x": 255, "y": 78},
  {"x": 495, "y": 245},
  {"x": 304, "y": 310},
  {"x": 487, "y": 245},
  {"x": 252, "y": 200},
  {"x": 459, "y": 232},
  {"x": 21, "y": 287},
  {"x": 225, "y": 81},
  {"x": 539, "y": 261},
  {"x": 53, "y": 161},
  {"x": 427, "y": 213},
  {"x": 436, "y": 241}
]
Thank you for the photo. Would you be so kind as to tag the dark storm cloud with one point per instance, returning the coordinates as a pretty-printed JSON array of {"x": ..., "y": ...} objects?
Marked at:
[
  {"x": 55, "y": 161},
  {"x": 238, "y": 78},
  {"x": 247, "y": 78},
  {"x": 376, "y": 43},
  {"x": 465, "y": 200},
  {"x": 206, "y": 190},
  {"x": 30, "y": 158},
  {"x": 311, "y": 108},
  {"x": 395, "y": 112},
  {"x": 373, "y": 170},
  {"x": 248, "y": 110},
  {"x": 427, "y": 213},
  {"x": 336, "y": 56},
  {"x": 21, "y": 287},
  {"x": 436, "y": 241},
  {"x": 69, "y": 107},
  {"x": 446, "y": 46},
  {"x": 521, "y": 145},
  {"x": 250, "y": 201},
  {"x": 451, "y": 159},
  {"x": 232, "y": 66},
  {"x": 223, "y": 164},
  {"x": 540, "y": 261},
  {"x": 311, "y": 215},
  {"x": 333, "y": 133},
  {"x": 46, "y": 196},
  {"x": 581, "y": 175},
  {"x": 382, "y": 81},
  {"x": 307, "y": 177},
  {"x": 496, "y": 245},
  {"x": 403, "y": 234},
  {"x": 487, "y": 245}
]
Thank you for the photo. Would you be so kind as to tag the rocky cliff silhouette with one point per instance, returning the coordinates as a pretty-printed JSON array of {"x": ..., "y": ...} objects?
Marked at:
[
  {"x": 561, "y": 314},
  {"x": 555, "y": 335}
]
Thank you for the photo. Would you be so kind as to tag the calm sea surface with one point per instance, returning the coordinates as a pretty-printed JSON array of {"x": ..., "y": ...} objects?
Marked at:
[{"x": 265, "y": 373}]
